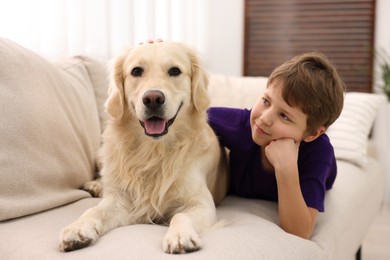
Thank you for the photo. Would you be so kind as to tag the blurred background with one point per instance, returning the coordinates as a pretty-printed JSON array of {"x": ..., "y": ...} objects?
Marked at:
[
  {"x": 103, "y": 28},
  {"x": 233, "y": 37}
]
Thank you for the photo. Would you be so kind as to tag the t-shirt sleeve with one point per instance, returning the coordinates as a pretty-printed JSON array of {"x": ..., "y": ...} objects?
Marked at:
[
  {"x": 317, "y": 170},
  {"x": 230, "y": 125}
]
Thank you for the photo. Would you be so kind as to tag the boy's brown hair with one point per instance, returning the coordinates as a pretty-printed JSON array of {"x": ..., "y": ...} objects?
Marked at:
[{"x": 310, "y": 81}]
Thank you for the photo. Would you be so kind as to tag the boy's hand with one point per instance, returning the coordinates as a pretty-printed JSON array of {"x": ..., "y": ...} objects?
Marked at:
[{"x": 282, "y": 153}]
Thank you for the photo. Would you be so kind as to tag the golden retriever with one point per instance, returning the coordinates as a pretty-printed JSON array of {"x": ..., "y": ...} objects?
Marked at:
[{"x": 161, "y": 162}]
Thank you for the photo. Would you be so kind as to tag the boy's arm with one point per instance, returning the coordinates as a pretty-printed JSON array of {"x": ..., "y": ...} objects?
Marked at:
[
  {"x": 295, "y": 216},
  {"x": 229, "y": 124}
]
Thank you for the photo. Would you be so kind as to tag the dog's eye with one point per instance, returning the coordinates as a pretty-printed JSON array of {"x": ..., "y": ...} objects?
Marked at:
[
  {"x": 137, "y": 72},
  {"x": 174, "y": 71}
]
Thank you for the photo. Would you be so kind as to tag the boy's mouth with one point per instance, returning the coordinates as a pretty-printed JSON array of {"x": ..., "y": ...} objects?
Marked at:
[{"x": 260, "y": 130}]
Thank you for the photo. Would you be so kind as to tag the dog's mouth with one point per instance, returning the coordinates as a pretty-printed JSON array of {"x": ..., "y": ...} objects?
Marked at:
[{"x": 156, "y": 126}]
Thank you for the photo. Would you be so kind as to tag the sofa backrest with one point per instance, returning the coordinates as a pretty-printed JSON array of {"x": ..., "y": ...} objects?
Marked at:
[{"x": 238, "y": 92}]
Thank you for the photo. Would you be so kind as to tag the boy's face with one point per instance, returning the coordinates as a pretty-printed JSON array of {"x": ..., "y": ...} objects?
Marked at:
[{"x": 272, "y": 118}]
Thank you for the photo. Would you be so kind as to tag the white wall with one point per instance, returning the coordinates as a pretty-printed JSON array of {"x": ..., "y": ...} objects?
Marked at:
[{"x": 225, "y": 53}]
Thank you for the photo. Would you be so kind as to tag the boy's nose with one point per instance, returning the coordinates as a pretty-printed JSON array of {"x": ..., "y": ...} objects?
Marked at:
[{"x": 266, "y": 118}]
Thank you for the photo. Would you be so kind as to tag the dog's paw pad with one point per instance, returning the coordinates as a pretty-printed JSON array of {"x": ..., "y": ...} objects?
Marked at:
[
  {"x": 181, "y": 243},
  {"x": 75, "y": 244},
  {"x": 77, "y": 236}
]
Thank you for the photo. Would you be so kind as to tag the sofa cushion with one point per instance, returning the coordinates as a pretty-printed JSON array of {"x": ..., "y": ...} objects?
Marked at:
[
  {"x": 351, "y": 206},
  {"x": 250, "y": 231},
  {"x": 350, "y": 132},
  {"x": 98, "y": 73},
  {"x": 49, "y": 131}
]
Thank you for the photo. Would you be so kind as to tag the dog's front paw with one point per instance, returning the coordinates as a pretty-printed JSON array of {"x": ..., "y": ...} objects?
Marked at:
[
  {"x": 77, "y": 236},
  {"x": 181, "y": 241},
  {"x": 95, "y": 188}
]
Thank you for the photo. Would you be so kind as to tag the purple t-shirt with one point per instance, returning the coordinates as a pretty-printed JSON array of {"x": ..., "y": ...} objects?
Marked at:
[{"x": 316, "y": 162}]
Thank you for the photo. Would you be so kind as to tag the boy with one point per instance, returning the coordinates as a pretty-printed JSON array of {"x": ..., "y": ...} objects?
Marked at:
[{"x": 278, "y": 150}]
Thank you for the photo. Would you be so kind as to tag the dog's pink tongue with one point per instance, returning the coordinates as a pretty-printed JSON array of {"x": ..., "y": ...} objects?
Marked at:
[{"x": 155, "y": 126}]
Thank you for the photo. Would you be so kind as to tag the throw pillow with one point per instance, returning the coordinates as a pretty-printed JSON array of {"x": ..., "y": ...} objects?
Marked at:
[
  {"x": 98, "y": 73},
  {"x": 350, "y": 132},
  {"x": 49, "y": 131}
]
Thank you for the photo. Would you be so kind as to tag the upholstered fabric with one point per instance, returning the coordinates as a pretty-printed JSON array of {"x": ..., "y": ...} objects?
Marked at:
[
  {"x": 98, "y": 74},
  {"x": 238, "y": 92},
  {"x": 49, "y": 131},
  {"x": 351, "y": 206},
  {"x": 349, "y": 134},
  {"x": 250, "y": 233},
  {"x": 250, "y": 228}
]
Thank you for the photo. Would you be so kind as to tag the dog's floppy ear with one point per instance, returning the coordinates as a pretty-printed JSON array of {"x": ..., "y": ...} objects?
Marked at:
[
  {"x": 115, "y": 102},
  {"x": 199, "y": 83}
]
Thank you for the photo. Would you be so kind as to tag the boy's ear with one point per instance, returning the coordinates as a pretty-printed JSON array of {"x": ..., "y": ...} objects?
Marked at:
[{"x": 316, "y": 133}]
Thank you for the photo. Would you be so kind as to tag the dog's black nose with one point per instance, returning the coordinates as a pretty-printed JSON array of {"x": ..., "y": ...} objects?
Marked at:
[{"x": 153, "y": 99}]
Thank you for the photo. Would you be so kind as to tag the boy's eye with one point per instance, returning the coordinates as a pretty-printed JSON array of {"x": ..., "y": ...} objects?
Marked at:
[
  {"x": 265, "y": 101},
  {"x": 284, "y": 117}
]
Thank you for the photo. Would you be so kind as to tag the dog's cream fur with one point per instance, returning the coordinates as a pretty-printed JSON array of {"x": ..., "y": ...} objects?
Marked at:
[{"x": 168, "y": 179}]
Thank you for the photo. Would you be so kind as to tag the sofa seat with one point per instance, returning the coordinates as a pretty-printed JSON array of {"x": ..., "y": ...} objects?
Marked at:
[{"x": 248, "y": 228}]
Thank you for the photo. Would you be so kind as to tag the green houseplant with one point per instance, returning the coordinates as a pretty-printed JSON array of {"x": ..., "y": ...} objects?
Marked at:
[{"x": 383, "y": 59}]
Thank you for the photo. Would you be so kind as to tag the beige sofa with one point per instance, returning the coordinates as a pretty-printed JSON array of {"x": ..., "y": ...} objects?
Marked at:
[{"x": 51, "y": 117}]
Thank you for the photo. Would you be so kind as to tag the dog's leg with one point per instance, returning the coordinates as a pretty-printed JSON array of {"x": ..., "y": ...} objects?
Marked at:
[
  {"x": 95, "y": 187},
  {"x": 93, "y": 223},
  {"x": 185, "y": 227}
]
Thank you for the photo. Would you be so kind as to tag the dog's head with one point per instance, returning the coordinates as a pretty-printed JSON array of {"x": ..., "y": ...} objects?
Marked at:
[{"x": 157, "y": 83}]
